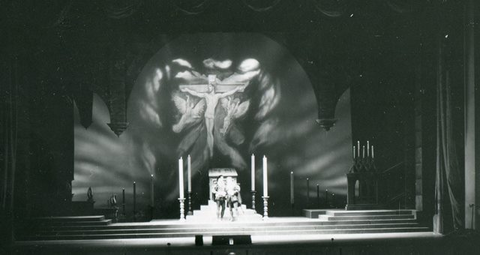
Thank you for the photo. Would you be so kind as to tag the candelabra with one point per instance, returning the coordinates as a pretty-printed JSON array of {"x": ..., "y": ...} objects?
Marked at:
[
  {"x": 362, "y": 162},
  {"x": 364, "y": 173}
]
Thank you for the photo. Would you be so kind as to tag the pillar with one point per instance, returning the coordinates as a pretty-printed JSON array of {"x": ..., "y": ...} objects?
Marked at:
[{"x": 472, "y": 150}]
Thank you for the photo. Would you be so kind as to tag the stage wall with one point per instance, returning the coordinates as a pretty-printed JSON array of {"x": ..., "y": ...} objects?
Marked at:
[{"x": 272, "y": 114}]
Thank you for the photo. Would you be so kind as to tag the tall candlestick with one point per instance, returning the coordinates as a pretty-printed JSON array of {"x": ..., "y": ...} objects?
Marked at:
[
  {"x": 152, "y": 198},
  {"x": 265, "y": 177},
  {"x": 326, "y": 197},
  {"x": 363, "y": 151},
  {"x": 373, "y": 152},
  {"x": 358, "y": 148},
  {"x": 292, "y": 193},
  {"x": 308, "y": 192},
  {"x": 253, "y": 171},
  {"x": 189, "y": 174},
  {"x": 134, "y": 200},
  {"x": 354, "y": 152},
  {"x": 368, "y": 148},
  {"x": 123, "y": 201},
  {"x": 180, "y": 177}
]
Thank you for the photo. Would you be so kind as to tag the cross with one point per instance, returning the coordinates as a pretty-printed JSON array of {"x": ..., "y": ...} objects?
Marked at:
[{"x": 219, "y": 87}]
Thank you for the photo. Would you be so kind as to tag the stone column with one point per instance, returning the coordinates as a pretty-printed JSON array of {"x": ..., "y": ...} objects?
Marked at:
[
  {"x": 472, "y": 150},
  {"x": 117, "y": 93}
]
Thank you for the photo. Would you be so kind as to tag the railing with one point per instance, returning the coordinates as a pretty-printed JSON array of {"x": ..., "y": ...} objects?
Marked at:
[
  {"x": 393, "y": 167},
  {"x": 397, "y": 199}
]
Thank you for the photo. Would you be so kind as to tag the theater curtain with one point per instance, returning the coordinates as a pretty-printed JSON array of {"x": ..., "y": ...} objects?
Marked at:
[
  {"x": 8, "y": 130},
  {"x": 448, "y": 182}
]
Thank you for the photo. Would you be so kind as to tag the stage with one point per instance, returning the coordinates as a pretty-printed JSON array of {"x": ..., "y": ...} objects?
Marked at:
[{"x": 378, "y": 243}]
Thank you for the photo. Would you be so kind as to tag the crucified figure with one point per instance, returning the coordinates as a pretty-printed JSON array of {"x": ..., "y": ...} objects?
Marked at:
[{"x": 211, "y": 101}]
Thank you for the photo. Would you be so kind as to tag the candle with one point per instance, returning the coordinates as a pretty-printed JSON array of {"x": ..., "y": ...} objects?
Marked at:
[
  {"x": 363, "y": 151},
  {"x": 189, "y": 174},
  {"x": 292, "y": 194},
  {"x": 123, "y": 201},
  {"x": 318, "y": 194},
  {"x": 326, "y": 197},
  {"x": 368, "y": 148},
  {"x": 152, "y": 198},
  {"x": 373, "y": 153},
  {"x": 265, "y": 177},
  {"x": 354, "y": 152},
  {"x": 358, "y": 148},
  {"x": 308, "y": 192},
  {"x": 134, "y": 199},
  {"x": 253, "y": 171},
  {"x": 180, "y": 177}
]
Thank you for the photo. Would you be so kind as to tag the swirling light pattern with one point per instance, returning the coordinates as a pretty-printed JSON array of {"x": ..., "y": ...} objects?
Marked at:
[{"x": 278, "y": 121}]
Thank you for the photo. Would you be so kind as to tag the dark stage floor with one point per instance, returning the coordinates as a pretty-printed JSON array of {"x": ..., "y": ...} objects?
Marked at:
[{"x": 384, "y": 243}]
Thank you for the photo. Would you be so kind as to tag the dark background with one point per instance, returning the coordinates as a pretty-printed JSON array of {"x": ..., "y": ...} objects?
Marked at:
[{"x": 59, "y": 53}]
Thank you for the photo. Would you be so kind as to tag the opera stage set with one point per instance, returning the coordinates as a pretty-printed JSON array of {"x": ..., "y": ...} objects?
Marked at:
[{"x": 323, "y": 126}]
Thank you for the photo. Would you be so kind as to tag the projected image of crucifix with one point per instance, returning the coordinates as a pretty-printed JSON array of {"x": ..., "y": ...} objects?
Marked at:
[{"x": 212, "y": 93}]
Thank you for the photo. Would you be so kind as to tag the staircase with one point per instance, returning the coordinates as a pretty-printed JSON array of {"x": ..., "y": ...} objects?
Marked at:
[
  {"x": 369, "y": 221},
  {"x": 208, "y": 213},
  {"x": 204, "y": 222}
]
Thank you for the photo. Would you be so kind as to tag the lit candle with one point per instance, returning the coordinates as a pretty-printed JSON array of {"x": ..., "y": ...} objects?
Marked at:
[
  {"x": 180, "y": 177},
  {"x": 308, "y": 192},
  {"x": 358, "y": 148},
  {"x": 326, "y": 197},
  {"x": 189, "y": 174},
  {"x": 265, "y": 177},
  {"x": 354, "y": 152},
  {"x": 134, "y": 199},
  {"x": 123, "y": 201},
  {"x": 363, "y": 151},
  {"x": 373, "y": 152},
  {"x": 253, "y": 171},
  {"x": 292, "y": 194},
  {"x": 368, "y": 148},
  {"x": 152, "y": 192}
]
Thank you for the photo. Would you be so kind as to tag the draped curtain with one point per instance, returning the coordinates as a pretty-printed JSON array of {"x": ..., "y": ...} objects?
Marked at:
[
  {"x": 448, "y": 182},
  {"x": 8, "y": 131}
]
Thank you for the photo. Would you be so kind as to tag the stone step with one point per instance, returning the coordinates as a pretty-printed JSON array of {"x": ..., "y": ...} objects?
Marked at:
[
  {"x": 257, "y": 223},
  {"x": 69, "y": 218},
  {"x": 370, "y": 212},
  {"x": 214, "y": 213},
  {"x": 226, "y": 217},
  {"x": 74, "y": 223},
  {"x": 368, "y": 217},
  {"x": 220, "y": 228},
  {"x": 265, "y": 231},
  {"x": 213, "y": 207}
]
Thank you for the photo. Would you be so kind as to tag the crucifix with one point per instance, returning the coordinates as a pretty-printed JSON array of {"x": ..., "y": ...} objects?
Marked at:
[{"x": 212, "y": 93}]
